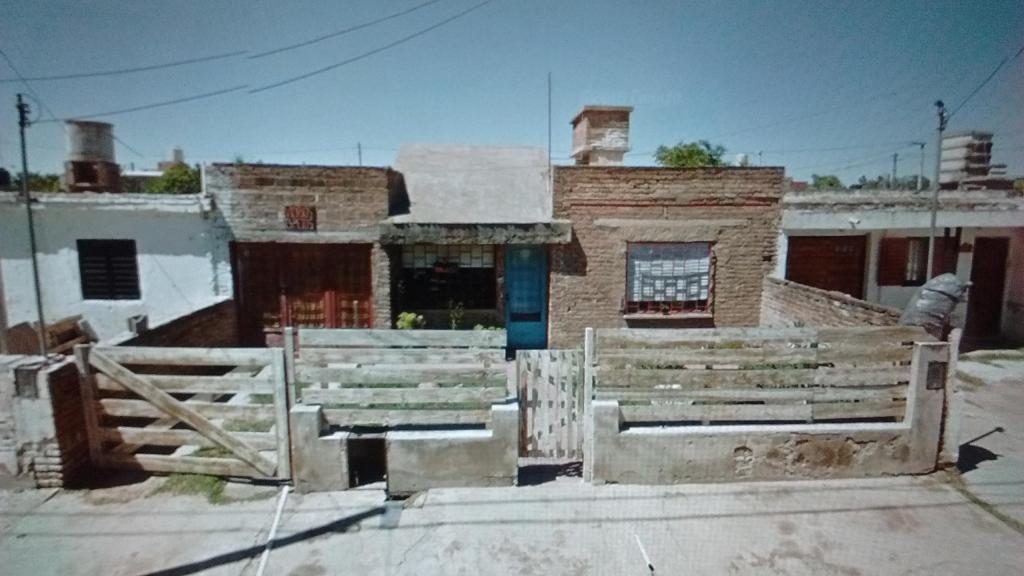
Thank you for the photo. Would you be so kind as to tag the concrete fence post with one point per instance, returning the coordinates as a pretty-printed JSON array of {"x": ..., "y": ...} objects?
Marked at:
[
  {"x": 319, "y": 464},
  {"x": 925, "y": 400},
  {"x": 949, "y": 453}
]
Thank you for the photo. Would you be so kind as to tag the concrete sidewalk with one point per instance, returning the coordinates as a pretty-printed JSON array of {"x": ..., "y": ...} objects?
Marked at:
[{"x": 909, "y": 525}]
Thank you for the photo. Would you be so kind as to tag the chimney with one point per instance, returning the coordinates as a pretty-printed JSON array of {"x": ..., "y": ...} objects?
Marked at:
[
  {"x": 91, "y": 166},
  {"x": 600, "y": 135}
]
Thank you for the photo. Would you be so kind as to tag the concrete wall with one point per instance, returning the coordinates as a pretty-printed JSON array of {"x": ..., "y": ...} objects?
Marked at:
[
  {"x": 182, "y": 253},
  {"x": 737, "y": 209},
  {"x": 42, "y": 428},
  {"x": 674, "y": 454},
  {"x": 786, "y": 304}
]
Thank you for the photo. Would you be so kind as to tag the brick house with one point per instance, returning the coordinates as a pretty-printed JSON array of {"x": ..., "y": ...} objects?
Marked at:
[
  {"x": 486, "y": 235},
  {"x": 657, "y": 247}
]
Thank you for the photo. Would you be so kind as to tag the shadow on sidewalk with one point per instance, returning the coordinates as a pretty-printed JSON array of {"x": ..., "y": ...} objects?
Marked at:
[{"x": 338, "y": 526}]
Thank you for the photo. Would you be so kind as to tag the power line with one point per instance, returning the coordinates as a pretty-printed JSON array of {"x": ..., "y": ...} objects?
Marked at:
[
  {"x": 28, "y": 86},
  {"x": 120, "y": 71},
  {"x": 372, "y": 52},
  {"x": 343, "y": 31},
  {"x": 153, "y": 105},
  {"x": 129, "y": 148},
  {"x": 986, "y": 81}
]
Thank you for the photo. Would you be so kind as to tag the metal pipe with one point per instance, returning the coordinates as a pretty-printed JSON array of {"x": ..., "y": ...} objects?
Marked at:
[{"x": 23, "y": 123}]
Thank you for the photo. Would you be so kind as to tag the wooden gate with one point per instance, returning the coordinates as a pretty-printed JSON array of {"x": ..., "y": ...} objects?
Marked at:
[
  {"x": 192, "y": 410},
  {"x": 551, "y": 403}
]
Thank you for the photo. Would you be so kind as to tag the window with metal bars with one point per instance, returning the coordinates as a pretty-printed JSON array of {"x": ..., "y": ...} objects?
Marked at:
[
  {"x": 439, "y": 276},
  {"x": 109, "y": 270},
  {"x": 668, "y": 278}
]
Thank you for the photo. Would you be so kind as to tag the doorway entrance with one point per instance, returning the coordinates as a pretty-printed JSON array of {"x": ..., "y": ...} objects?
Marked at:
[
  {"x": 526, "y": 292},
  {"x": 985, "y": 300}
]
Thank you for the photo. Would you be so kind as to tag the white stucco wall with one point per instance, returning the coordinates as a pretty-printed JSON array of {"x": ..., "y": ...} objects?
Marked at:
[
  {"x": 899, "y": 296},
  {"x": 182, "y": 251}
]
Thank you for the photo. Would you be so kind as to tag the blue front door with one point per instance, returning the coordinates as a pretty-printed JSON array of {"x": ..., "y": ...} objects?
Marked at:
[{"x": 526, "y": 297}]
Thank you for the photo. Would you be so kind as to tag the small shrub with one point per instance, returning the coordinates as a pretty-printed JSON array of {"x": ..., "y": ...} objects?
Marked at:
[
  {"x": 456, "y": 311},
  {"x": 410, "y": 321}
]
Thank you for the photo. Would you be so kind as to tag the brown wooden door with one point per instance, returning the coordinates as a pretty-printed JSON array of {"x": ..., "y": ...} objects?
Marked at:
[
  {"x": 988, "y": 277},
  {"x": 828, "y": 262}
]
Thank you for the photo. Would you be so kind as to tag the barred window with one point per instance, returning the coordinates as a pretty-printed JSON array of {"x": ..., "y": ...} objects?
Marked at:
[
  {"x": 109, "y": 269},
  {"x": 436, "y": 276},
  {"x": 668, "y": 278}
]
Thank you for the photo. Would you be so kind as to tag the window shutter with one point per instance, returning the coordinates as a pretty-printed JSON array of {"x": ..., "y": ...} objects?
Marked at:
[
  {"x": 945, "y": 256},
  {"x": 892, "y": 261},
  {"x": 108, "y": 269}
]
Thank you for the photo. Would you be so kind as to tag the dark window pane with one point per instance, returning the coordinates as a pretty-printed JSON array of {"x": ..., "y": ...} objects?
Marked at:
[{"x": 108, "y": 269}]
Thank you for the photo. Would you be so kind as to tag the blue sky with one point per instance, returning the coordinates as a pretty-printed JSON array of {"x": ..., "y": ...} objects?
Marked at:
[{"x": 817, "y": 87}]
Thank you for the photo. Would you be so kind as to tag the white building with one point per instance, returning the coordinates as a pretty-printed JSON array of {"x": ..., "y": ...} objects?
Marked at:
[
  {"x": 873, "y": 244},
  {"x": 109, "y": 257}
]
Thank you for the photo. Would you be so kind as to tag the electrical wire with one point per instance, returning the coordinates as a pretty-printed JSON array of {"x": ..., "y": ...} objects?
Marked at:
[
  {"x": 369, "y": 53},
  {"x": 153, "y": 105},
  {"x": 121, "y": 71},
  {"x": 343, "y": 31},
  {"x": 987, "y": 79}
]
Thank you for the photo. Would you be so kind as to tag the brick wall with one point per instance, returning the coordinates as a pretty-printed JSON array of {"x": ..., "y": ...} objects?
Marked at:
[
  {"x": 350, "y": 204},
  {"x": 788, "y": 304},
  {"x": 736, "y": 209},
  {"x": 43, "y": 427},
  {"x": 350, "y": 201},
  {"x": 213, "y": 326}
]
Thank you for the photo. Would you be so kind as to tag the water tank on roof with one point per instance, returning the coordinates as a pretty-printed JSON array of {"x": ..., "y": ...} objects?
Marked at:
[{"x": 90, "y": 141}]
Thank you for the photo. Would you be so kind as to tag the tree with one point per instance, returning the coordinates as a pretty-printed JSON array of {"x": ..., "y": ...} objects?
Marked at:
[
  {"x": 826, "y": 182},
  {"x": 683, "y": 155},
  {"x": 39, "y": 182},
  {"x": 178, "y": 179}
]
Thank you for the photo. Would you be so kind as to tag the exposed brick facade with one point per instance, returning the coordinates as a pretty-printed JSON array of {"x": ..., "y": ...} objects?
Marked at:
[
  {"x": 736, "y": 209},
  {"x": 350, "y": 204},
  {"x": 42, "y": 427},
  {"x": 788, "y": 304},
  {"x": 214, "y": 326}
]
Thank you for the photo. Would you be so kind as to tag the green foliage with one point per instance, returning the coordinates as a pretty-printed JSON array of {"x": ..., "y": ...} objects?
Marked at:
[
  {"x": 178, "y": 179},
  {"x": 210, "y": 486},
  {"x": 882, "y": 183},
  {"x": 689, "y": 155},
  {"x": 409, "y": 321},
  {"x": 247, "y": 425},
  {"x": 456, "y": 311},
  {"x": 39, "y": 182},
  {"x": 826, "y": 182},
  {"x": 482, "y": 327}
]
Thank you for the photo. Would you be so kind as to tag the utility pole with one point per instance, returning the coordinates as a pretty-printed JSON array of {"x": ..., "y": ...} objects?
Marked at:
[
  {"x": 23, "y": 122},
  {"x": 920, "y": 173},
  {"x": 551, "y": 173},
  {"x": 895, "y": 160},
  {"x": 359, "y": 149},
  {"x": 943, "y": 118}
]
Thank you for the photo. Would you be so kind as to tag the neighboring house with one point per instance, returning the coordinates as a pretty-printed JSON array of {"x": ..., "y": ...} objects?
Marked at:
[
  {"x": 873, "y": 244},
  {"x": 112, "y": 257}
]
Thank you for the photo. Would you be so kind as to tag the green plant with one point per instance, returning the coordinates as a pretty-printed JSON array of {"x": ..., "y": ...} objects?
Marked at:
[
  {"x": 210, "y": 486},
  {"x": 456, "y": 311},
  {"x": 247, "y": 425},
  {"x": 409, "y": 321},
  {"x": 482, "y": 327},
  {"x": 178, "y": 179}
]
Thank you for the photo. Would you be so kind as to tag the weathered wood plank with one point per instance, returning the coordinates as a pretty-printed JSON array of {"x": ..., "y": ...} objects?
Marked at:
[
  {"x": 168, "y": 405},
  {"x": 653, "y": 338},
  {"x": 377, "y": 356},
  {"x": 177, "y": 464},
  {"x": 402, "y": 395},
  {"x": 755, "y": 394},
  {"x": 227, "y": 384},
  {"x": 717, "y": 412},
  {"x": 282, "y": 405},
  {"x": 87, "y": 381},
  {"x": 401, "y": 375},
  {"x": 123, "y": 408},
  {"x": 371, "y": 417},
  {"x": 698, "y": 357},
  {"x": 322, "y": 337},
  {"x": 859, "y": 410},
  {"x": 135, "y": 355},
  {"x": 157, "y": 437},
  {"x": 770, "y": 378}
]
